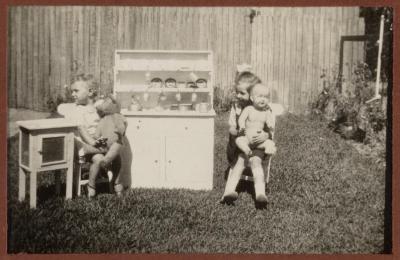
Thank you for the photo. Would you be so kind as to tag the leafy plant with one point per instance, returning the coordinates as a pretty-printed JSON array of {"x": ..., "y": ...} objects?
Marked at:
[{"x": 343, "y": 103}]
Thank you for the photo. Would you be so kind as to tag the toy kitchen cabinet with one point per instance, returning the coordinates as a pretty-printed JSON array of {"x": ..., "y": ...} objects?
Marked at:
[{"x": 167, "y": 97}]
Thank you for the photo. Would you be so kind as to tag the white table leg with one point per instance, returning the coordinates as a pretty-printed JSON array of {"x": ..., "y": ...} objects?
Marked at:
[
  {"x": 32, "y": 188},
  {"x": 69, "y": 180},
  {"x": 21, "y": 184}
]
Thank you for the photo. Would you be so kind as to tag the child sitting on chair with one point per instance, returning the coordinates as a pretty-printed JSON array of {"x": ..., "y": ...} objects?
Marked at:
[
  {"x": 83, "y": 111},
  {"x": 238, "y": 161},
  {"x": 254, "y": 119}
]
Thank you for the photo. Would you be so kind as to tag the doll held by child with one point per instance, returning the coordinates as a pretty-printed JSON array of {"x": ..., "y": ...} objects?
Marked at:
[{"x": 107, "y": 138}]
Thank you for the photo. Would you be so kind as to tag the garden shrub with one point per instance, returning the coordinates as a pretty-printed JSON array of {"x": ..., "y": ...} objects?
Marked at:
[
  {"x": 222, "y": 99},
  {"x": 346, "y": 110}
]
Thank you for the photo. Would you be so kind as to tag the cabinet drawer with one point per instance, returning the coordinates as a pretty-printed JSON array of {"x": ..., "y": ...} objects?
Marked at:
[
  {"x": 188, "y": 125},
  {"x": 144, "y": 125}
]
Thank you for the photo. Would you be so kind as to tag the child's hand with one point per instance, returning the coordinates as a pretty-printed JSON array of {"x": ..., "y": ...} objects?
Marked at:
[
  {"x": 100, "y": 142},
  {"x": 233, "y": 131},
  {"x": 259, "y": 138}
]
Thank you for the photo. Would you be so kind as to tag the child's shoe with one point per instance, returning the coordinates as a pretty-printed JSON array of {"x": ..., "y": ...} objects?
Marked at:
[
  {"x": 119, "y": 189},
  {"x": 229, "y": 198},
  {"x": 262, "y": 199}
]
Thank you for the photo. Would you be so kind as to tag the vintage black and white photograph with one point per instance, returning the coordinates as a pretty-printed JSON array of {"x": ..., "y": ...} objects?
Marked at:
[{"x": 160, "y": 129}]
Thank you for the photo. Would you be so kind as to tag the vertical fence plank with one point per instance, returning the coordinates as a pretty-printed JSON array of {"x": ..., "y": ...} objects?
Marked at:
[
  {"x": 11, "y": 55},
  {"x": 40, "y": 104},
  {"x": 18, "y": 45},
  {"x": 46, "y": 55}
]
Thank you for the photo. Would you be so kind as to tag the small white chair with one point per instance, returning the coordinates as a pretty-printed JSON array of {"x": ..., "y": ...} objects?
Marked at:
[{"x": 81, "y": 167}]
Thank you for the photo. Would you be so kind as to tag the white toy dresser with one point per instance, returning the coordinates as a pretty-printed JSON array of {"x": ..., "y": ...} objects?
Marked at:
[{"x": 167, "y": 98}]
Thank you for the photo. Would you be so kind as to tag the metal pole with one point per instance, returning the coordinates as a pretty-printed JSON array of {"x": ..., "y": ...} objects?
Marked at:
[{"x": 378, "y": 68}]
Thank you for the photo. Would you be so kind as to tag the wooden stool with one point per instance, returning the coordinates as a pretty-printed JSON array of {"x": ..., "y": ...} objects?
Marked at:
[{"x": 45, "y": 145}]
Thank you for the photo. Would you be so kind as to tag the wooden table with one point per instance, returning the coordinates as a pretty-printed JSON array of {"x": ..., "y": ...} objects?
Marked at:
[{"x": 45, "y": 145}]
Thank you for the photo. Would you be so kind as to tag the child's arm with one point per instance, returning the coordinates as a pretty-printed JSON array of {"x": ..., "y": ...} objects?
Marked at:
[
  {"x": 232, "y": 122},
  {"x": 243, "y": 117},
  {"x": 270, "y": 124},
  {"x": 86, "y": 136}
]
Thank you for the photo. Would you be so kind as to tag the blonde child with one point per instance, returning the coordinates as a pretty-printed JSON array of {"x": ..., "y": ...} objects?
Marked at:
[
  {"x": 254, "y": 119},
  {"x": 244, "y": 81},
  {"x": 84, "y": 112}
]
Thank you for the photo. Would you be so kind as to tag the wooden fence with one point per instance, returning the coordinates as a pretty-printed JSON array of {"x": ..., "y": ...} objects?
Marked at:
[
  {"x": 291, "y": 48},
  {"x": 287, "y": 47}
]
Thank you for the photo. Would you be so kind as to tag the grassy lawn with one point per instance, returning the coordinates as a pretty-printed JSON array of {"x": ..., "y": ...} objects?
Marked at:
[{"x": 324, "y": 198}]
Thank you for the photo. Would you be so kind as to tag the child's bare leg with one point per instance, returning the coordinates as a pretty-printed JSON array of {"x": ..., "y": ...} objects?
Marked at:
[
  {"x": 268, "y": 146},
  {"x": 243, "y": 143},
  {"x": 111, "y": 154},
  {"x": 230, "y": 193},
  {"x": 93, "y": 173},
  {"x": 259, "y": 182}
]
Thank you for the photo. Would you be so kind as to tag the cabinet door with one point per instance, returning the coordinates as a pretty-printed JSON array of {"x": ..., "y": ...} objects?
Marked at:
[
  {"x": 189, "y": 161},
  {"x": 147, "y": 151}
]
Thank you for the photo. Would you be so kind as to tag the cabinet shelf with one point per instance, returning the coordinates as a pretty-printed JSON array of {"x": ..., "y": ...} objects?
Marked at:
[
  {"x": 159, "y": 90},
  {"x": 168, "y": 113},
  {"x": 170, "y": 69}
]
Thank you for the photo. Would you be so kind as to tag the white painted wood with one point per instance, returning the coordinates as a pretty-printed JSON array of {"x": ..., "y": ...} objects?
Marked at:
[
  {"x": 170, "y": 148},
  {"x": 21, "y": 184},
  {"x": 171, "y": 152},
  {"x": 167, "y": 113},
  {"x": 188, "y": 160},
  {"x": 46, "y": 123},
  {"x": 135, "y": 68},
  {"x": 38, "y": 130}
]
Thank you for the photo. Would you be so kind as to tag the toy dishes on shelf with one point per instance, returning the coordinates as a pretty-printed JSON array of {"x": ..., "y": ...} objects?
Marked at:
[
  {"x": 201, "y": 83},
  {"x": 193, "y": 77},
  {"x": 147, "y": 77},
  {"x": 178, "y": 96},
  {"x": 191, "y": 84},
  {"x": 185, "y": 107},
  {"x": 146, "y": 96},
  {"x": 170, "y": 83},
  {"x": 135, "y": 104},
  {"x": 194, "y": 97},
  {"x": 174, "y": 107},
  {"x": 203, "y": 107},
  {"x": 162, "y": 102},
  {"x": 156, "y": 83},
  {"x": 181, "y": 84}
]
